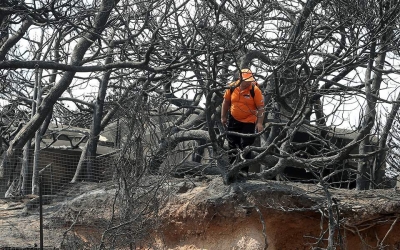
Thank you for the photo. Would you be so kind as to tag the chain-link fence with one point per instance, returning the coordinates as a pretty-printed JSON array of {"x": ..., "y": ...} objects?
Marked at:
[
  {"x": 57, "y": 167},
  {"x": 88, "y": 208}
]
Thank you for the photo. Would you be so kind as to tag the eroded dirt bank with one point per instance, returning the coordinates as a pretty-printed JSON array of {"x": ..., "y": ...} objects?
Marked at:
[{"x": 254, "y": 215}]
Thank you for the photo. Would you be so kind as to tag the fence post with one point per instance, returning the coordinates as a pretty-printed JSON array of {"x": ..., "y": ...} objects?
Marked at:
[
  {"x": 41, "y": 201},
  {"x": 40, "y": 210}
]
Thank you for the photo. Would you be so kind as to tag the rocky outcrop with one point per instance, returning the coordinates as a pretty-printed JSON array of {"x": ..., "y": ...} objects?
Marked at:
[{"x": 205, "y": 214}]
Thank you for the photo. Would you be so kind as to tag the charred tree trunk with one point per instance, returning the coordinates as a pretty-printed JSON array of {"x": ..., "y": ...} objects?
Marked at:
[
  {"x": 372, "y": 87},
  {"x": 379, "y": 166},
  {"x": 89, "y": 151}
]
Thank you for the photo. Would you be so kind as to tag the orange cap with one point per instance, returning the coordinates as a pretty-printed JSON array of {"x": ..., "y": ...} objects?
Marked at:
[{"x": 247, "y": 75}]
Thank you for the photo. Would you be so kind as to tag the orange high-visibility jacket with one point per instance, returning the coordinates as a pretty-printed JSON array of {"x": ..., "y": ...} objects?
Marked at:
[{"x": 243, "y": 106}]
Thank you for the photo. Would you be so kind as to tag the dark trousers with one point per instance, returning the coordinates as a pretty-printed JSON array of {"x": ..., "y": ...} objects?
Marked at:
[{"x": 239, "y": 141}]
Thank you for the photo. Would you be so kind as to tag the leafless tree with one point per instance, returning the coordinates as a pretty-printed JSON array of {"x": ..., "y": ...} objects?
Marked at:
[{"x": 317, "y": 63}]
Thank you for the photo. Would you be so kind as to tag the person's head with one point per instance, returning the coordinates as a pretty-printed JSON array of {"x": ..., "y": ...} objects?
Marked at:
[{"x": 246, "y": 77}]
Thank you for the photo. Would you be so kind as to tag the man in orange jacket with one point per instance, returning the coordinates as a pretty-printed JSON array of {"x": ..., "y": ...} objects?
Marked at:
[{"x": 245, "y": 104}]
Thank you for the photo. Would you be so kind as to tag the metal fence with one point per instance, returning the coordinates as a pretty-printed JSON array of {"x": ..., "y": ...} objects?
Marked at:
[{"x": 60, "y": 214}]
